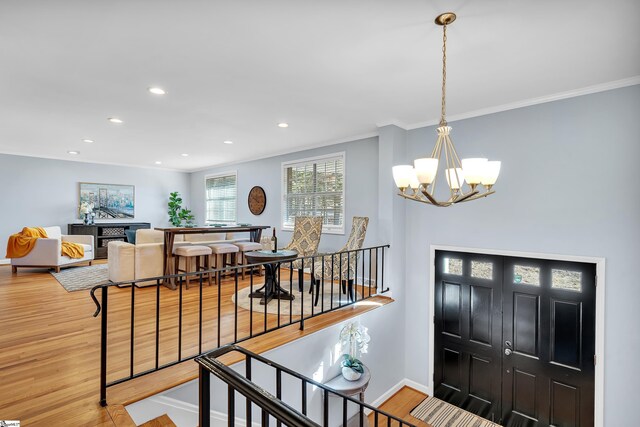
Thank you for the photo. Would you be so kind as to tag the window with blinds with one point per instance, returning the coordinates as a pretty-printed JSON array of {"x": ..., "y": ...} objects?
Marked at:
[
  {"x": 221, "y": 196},
  {"x": 314, "y": 187}
]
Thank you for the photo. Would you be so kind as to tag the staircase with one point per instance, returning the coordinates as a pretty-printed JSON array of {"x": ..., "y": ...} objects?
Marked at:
[
  {"x": 161, "y": 421},
  {"x": 121, "y": 418},
  {"x": 257, "y": 404}
]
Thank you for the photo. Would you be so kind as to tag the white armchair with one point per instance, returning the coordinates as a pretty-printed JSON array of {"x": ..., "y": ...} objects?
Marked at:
[
  {"x": 47, "y": 252},
  {"x": 128, "y": 262}
]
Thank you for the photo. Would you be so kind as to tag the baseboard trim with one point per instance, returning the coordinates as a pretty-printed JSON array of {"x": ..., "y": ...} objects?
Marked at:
[
  {"x": 5, "y": 261},
  {"x": 417, "y": 386},
  {"x": 387, "y": 394}
]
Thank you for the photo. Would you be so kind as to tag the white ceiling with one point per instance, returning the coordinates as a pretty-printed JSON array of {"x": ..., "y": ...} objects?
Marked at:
[{"x": 233, "y": 69}]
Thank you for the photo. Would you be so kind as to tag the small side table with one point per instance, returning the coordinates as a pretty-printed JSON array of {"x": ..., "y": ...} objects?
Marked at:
[{"x": 352, "y": 388}]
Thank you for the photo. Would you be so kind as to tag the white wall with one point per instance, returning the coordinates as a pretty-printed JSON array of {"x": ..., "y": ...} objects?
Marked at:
[
  {"x": 44, "y": 192},
  {"x": 568, "y": 186},
  {"x": 361, "y": 186}
]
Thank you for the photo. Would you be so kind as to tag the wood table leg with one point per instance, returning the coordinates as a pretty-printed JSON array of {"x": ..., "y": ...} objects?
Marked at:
[{"x": 169, "y": 237}]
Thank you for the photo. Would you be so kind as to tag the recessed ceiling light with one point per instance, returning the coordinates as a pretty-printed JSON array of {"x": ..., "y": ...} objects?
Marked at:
[
  {"x": 158, "y": 162},
  {"x": 184, "y": 155},
  {"x": 227, "y": 142},
  {"x": 115, "y": 120},
  {"x": 283, "y": 125},
  {"x": 73, "y": 152},
  {"x": 88, "y": 141},
  {"x": 157, "y": 91}
]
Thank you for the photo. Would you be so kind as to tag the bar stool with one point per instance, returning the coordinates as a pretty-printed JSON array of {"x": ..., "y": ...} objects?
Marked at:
[
  {"x": 247, "y": 247},
  {"x": 188, "y": 253},
  {"x": 219, "y": 253}
]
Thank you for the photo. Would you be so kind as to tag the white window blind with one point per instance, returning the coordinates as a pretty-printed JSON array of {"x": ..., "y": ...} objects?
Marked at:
[
  {"x": 314, "y": 187},
  {"x": 221, "y": 195}
]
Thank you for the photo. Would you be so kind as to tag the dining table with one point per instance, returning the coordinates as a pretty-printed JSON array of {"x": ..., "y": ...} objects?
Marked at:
[
  {"x": 271, "y": 262},
  {"x": 170, "y": 233}
]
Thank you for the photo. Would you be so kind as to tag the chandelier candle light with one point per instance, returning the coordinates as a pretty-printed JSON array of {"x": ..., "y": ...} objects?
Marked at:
[{"x": 418, "y": 182}]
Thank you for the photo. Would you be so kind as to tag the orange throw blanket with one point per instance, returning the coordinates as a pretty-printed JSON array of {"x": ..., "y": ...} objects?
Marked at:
[{"x": 20, "y": 244}]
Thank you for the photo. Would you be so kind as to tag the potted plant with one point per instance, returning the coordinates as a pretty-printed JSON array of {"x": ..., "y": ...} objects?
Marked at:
[
  {"x": 355, "y": 341},
  {"x": 187, "y": 217},
  {"x": 178, "y": 214}
]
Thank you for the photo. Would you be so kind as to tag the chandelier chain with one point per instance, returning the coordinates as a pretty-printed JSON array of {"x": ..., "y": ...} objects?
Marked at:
[{"x": 443, "y": 114}]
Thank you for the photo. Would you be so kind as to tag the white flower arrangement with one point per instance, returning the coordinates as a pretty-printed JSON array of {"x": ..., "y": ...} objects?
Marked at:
[
  {"x": 86, "y": 208},
  {"x": 354, "y": 339}
]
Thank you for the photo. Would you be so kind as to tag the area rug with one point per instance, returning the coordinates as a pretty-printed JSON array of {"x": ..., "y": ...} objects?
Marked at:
[
  {"x": 82, "y": 278},
  {"x": 439, "y": 413},
  {"x": 272, "y": 308}
]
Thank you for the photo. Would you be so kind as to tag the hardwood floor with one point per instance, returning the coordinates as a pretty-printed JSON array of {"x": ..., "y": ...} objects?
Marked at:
[
  {"x": 400, "y": 405},
  {"x": 51, "y": 344}
]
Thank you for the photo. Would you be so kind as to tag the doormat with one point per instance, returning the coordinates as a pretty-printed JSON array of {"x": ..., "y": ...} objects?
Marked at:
[
  {"x": 439, "y": 413},
  {"x": 82, "y": 278}
]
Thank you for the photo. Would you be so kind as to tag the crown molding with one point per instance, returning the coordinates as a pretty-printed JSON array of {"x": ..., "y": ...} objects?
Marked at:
[
  {"x": 77, "y": 160},
  {"x": 616, "y": 84},
  {"x": 290, "y": 151},
  {"x": 393, "y": 122}
]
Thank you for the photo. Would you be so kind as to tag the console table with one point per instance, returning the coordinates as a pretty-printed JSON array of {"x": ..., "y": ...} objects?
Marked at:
[
  {"x": 352, "y": 388},
  {"x": 105, "y": 232}
]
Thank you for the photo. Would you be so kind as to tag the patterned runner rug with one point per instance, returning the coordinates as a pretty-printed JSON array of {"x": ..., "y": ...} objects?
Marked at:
[
  {"x": 81, "y": 278},
  {"x": 439, "y": 413}
]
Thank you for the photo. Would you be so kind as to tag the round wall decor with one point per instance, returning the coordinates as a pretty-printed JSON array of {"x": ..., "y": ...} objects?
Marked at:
[{"x": 257, "y": 200}]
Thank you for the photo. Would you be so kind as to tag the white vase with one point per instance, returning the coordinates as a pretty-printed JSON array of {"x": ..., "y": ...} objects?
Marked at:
[{"x": 349, "y": 374}]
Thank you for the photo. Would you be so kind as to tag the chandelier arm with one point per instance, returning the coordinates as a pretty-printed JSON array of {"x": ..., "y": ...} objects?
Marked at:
[
  {"x": 437, "y": 152},
  {"x": 477, "y": 196},
  {"x": 453, "y": 148},
  {"x": 447, "y": 173},
  {"x": 434, "y": 152},
  {"x": 456, "y": 164},
  {"x": 417, "y": 198},
  {"x": 431, "y": 199},
  {"x": 467, "y": 197},
  {"x": 407, "y": 196}
]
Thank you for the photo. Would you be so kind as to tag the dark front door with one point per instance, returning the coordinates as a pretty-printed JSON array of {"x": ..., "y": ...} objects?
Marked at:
[
  {"x": 468, "y": 325},
  {"x": 515, "y": 338},
  {"x": 549, "y": 348}
]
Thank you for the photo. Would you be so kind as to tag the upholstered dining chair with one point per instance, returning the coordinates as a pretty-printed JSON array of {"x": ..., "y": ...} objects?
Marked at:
[
  {"x": 344, "y": 266},
  {"x": 307, "y": 231}
]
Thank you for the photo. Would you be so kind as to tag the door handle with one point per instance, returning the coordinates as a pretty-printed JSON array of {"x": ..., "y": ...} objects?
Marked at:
[{"x": 507, "y": 351}]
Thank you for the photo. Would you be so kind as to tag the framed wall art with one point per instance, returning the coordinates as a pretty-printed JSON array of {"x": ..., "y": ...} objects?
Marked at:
[{"x": 110, "y": 201}]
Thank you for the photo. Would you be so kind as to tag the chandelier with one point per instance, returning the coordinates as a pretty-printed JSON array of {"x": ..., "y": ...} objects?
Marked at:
[{"x": 469, "y": 179}]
